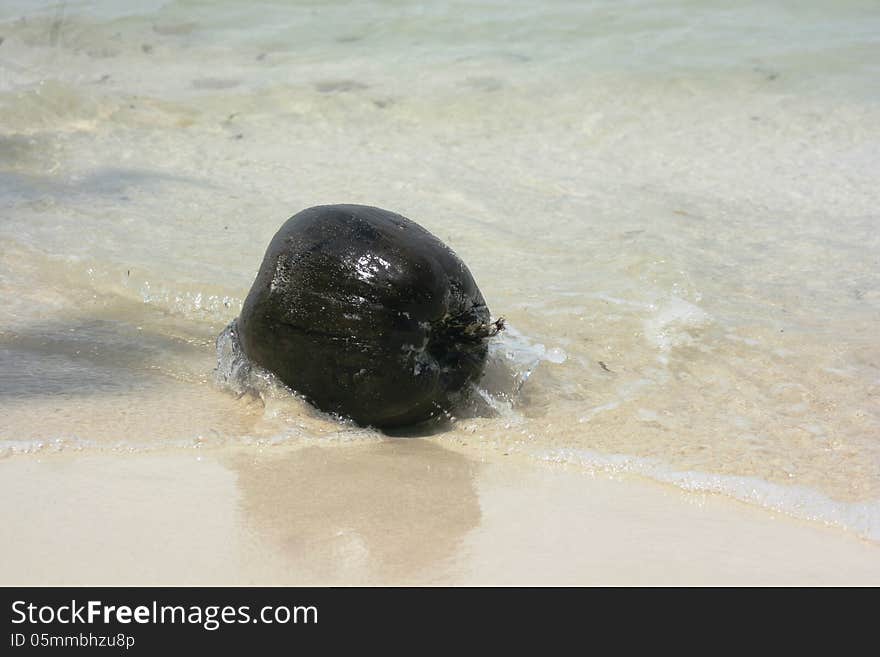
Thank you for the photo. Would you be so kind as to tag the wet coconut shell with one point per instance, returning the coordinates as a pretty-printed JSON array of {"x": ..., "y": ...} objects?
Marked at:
[{"x": 367, "y": 315}]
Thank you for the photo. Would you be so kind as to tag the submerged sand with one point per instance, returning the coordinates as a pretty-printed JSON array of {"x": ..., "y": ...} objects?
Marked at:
[{"x": 397, "y": 511}]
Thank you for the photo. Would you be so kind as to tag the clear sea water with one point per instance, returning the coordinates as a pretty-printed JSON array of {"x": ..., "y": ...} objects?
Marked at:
[{"x": 673, "y": 203}]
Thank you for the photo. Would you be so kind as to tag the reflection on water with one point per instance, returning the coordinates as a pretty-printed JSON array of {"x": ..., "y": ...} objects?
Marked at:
[{"x": 382, "y": 512}]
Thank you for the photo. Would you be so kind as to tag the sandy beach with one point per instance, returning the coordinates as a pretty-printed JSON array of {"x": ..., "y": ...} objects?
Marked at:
[{"x": 396, "y": 512}]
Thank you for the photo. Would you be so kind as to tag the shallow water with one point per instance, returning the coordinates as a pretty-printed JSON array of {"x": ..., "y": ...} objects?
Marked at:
[{"x": 673, "y": 204}]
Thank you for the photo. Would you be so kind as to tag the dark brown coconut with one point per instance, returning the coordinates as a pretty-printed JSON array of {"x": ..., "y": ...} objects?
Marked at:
[{"x": 367, "y": 315}]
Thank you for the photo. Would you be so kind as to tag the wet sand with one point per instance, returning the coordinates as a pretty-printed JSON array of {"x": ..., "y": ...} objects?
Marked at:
[{"x": 399, "y": 511}]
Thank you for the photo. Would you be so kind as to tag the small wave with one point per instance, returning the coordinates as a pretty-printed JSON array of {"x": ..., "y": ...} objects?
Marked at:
[
  {"x": 237, "y": 373},
  {"x": 671, "y": 323},
  {"x": 513, "y": 358},
  {"x": 189, "y": 303},
  {"x": 861, "y": 518},
  {"x": 11, "y": 447}
]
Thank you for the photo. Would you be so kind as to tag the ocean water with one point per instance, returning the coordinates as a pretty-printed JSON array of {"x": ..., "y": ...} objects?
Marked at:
[{"x": 673, "y": 204}]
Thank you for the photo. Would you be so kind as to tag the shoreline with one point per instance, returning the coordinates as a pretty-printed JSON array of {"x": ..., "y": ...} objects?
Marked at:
[{"x": 398, "y": 511}]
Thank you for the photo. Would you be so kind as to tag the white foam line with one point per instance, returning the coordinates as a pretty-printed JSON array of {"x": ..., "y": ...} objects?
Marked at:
[{"x": 861, "y": 518}]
